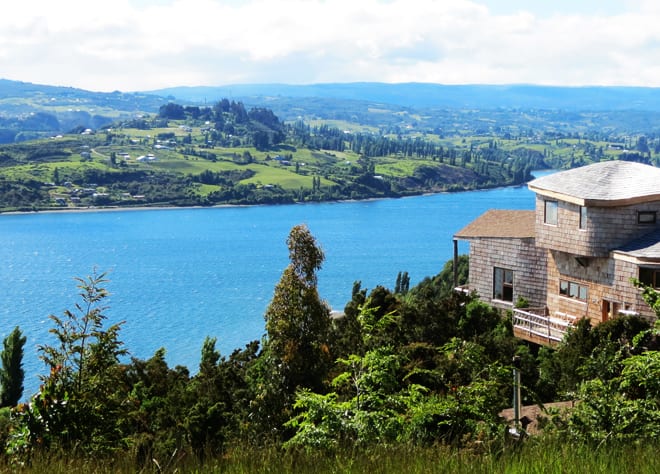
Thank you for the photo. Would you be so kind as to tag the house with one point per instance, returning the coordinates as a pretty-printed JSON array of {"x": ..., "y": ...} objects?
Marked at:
[{"x": 593, "y": 230}]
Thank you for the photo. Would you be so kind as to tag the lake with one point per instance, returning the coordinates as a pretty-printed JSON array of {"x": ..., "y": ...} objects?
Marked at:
[{"x": 179, "y": 275}]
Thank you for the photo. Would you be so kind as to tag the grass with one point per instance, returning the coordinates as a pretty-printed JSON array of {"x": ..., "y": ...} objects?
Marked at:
[
  {"x": 205, "y": 189},
  {"x": 536, "y": 456},
  {"x": 44, "y": 171},
  {"x": 275, "y": 175},
  {"x": 399, "y": 168}
]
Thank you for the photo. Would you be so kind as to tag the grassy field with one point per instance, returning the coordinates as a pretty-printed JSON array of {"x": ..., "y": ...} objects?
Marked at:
[
  {"x": 292, "y": 170},
  {"x": 535, "y": 456}
]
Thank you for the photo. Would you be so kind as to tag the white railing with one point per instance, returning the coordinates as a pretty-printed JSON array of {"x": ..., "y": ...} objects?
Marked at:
[{"x": 535, "y": 326}]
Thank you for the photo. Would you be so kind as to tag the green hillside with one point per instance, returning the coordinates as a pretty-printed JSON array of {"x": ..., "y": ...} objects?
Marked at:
[{"x": 226, "y": 154}]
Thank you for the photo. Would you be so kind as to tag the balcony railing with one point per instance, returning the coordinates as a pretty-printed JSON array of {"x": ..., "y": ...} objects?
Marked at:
[{"x": 536, "y": 326}]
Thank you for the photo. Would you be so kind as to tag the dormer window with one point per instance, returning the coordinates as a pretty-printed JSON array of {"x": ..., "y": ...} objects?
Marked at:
[
  {"x": 550, "y": 215},
  {"x": 646, "y": 217}
]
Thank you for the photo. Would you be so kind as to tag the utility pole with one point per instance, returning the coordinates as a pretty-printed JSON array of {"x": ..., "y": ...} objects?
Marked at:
[{"x": 516, "y": 431}]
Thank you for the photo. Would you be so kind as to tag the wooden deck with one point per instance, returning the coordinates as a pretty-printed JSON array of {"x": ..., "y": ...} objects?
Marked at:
[{"x": 535, "y": 326}]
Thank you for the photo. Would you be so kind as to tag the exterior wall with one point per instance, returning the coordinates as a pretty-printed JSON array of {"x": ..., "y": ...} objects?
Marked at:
[
  {"x": 627, "y": 292},
  {"x": 605, "y": 279},
  {"x": 520, "y": 255},
  {"x": 607, "y": 227}
]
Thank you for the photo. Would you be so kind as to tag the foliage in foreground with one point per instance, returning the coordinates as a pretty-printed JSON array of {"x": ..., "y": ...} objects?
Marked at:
[{"x": 413, "y": 378}]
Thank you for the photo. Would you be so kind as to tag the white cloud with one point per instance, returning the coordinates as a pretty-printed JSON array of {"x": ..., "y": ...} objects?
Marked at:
[{"x": 138, "y": 45}]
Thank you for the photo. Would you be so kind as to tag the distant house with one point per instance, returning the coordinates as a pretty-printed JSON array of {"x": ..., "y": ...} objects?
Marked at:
[
  {"x": 594, "y": 229},
  {"x": 149, "y": 157}
]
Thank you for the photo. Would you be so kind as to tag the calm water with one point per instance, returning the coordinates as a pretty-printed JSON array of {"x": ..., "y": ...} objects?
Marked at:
[{"x": 177, "y": 276}]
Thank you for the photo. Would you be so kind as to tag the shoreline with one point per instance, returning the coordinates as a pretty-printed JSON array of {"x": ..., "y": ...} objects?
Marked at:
[
  {"x": 220, "y": 206},
  {"x": 75, "y": 210}
]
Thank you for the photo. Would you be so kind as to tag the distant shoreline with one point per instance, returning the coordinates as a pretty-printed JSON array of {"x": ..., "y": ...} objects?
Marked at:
[
  {"x": 73, "y": 210},
  {"x": 68, "y": 210}
]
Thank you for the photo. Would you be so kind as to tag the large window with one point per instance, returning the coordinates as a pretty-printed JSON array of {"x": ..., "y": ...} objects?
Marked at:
[
  {"x": 650, "y": 277},
  {"x": 502, "y": 284},
  {"x": 571, "y": 289},
  {"x": 550, "y": 216},
  {"x": 583, "y": 217}
]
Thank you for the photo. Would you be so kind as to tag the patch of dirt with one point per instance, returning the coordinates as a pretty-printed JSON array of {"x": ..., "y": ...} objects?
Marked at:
[{"x": 534, "y": 412}]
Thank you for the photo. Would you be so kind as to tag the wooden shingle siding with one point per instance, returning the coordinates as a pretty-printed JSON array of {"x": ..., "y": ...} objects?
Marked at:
[
  {"x": 566, "y": 270},
  {"x": 520, "y": 255},
  {"x": 607, "y": 228}
]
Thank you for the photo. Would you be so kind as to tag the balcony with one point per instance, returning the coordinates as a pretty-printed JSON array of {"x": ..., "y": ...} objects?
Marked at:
[{"x": 535, "y": 325}]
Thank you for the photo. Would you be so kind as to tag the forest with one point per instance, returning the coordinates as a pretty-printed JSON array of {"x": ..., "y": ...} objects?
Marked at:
[{"x": 409, "y": 378}]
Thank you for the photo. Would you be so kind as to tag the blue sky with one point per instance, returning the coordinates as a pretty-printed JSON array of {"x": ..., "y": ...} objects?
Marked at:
[{"x": 133, "y": 45}]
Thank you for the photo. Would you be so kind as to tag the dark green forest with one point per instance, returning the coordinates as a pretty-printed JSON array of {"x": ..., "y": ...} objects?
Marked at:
[{"x": 413, "y": 368}]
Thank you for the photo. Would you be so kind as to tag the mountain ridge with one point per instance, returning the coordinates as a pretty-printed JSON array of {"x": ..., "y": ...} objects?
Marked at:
[
  {"x": 428, "y": 95},
  {"x": 418, "y": 95}
]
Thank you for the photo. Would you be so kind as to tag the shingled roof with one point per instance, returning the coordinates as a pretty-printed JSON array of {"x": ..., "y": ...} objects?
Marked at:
[
  {"x": 500, "y": 223},
  {"x": 609, "y": 183},
  {"x": 646, "y": 247}
]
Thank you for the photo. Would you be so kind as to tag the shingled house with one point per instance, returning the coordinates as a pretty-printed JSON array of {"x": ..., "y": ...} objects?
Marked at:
[{"x": 594, "y": 229}]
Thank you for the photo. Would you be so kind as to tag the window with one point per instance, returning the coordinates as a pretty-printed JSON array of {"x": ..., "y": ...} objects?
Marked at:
[
  {"x": 583, "y": 217},
  {"x": 503, "y": 284},
  {"x": 550, "y": 216},
  {"x": 571, "y": 289},
  {"x": 650, "y": 277},
  {"x": 646, "y": 217}
]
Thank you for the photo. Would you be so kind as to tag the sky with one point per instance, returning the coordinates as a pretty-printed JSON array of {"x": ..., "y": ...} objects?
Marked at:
[{"x": 141, "y": 45}]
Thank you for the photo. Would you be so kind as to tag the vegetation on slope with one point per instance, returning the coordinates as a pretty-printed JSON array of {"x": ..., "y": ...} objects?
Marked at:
[
  {"x": 71, "y": 148},
  {"x": 229, "y": 155},
  {"x": 226, "y": 154},
  {"x": 418, "y": 374}
]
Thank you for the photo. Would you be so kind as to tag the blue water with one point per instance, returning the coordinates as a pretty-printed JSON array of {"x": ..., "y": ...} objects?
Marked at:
[{"x": 177, "y": 276}]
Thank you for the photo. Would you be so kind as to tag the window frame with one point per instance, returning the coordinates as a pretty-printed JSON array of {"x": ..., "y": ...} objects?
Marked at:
[
  {"x": 553, "y": 205},
  {"x": 654, "y": 280},
  {"x": 503, "y": 286},
  {"x": 583, "y": 218},
  {"x": 646, "y": 217},
  {"x": 573, "y": 290}
]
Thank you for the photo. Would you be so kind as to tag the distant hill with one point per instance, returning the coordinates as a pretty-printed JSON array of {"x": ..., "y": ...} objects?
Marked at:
[
  {"x": 16, "y": 95},
  {"x": 29, "y": 111},
  {"x": 431, "y": 96}
]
